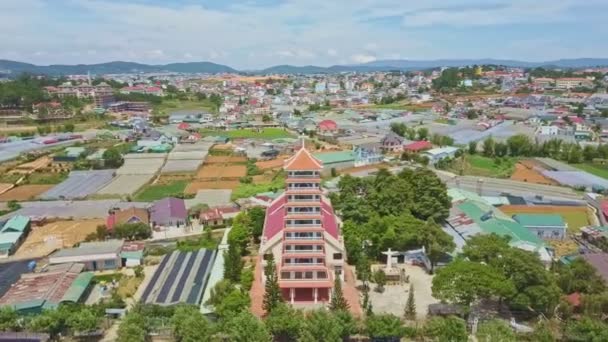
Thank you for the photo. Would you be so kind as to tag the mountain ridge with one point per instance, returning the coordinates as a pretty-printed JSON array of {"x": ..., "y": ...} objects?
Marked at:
[{"x": 118, "y": 67}]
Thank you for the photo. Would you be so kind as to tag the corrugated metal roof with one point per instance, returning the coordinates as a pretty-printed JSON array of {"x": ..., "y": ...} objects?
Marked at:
[
  {"x": 78, "y": 287},
  {"x": 335, "y": 157},
  {"x": 91, "y": 248},
  {"x": 17, "y": 223},
  {"x": 540, "y": 220}
]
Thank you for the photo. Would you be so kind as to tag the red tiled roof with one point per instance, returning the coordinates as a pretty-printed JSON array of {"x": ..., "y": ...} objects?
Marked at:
[
  {"x": 303, "y": 161},
  {"x": 418, "y": 146},
  {"x": 275, "y": 215},
  {"x": 328, "y": 125}
]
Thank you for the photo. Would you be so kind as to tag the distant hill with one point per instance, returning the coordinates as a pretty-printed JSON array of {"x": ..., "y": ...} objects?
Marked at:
[
  {"x": 119, "y": 67},
  {"x": 561, "y": 63},
  {"x": 114, "y": 68}
]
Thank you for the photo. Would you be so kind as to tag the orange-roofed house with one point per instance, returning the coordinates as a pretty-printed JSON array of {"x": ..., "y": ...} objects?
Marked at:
[{"x": 302, "y": 232}]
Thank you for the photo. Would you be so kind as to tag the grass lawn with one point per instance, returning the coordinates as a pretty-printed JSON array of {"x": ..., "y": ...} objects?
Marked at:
[
  {"x": 594, "y": 169},
  {"x": 247, "y": 133},
  {"x": 46, "y": 178},
  {"x": 248, "y": 190},
  {"x": 158, "y": 191},
  {"x": 476, "y": 165},
  {"x": 190, "y": 245},
  {"x": 169, "y": 106},
  {"x": 575, "y": 220}
]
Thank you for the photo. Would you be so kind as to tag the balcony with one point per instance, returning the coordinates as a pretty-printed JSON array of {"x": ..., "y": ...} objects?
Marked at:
[{"x": 296, "y": 238}]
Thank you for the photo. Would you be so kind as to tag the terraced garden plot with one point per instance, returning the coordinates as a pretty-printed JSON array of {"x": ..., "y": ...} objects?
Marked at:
[
  {"x": 25, "y": 192},
  {"x": 43, "y": 240}
]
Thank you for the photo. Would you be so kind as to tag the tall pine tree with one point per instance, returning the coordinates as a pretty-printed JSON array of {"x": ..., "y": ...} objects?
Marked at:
[
  {"x": 410, "y": 305},
  {"x": 272, "y": 293},
  {"x": 338, "y": 302},
  {"x": 233, "y": 264}
]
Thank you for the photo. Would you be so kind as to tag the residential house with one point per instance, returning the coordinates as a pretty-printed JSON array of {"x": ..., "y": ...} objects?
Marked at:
[
  {"x": 169, "y": 212},
  {"x": 392, "y": 143},
  {"x": 438, "y": 154},
  {"x": 129, "y": 215},
  {"x": 573, "y": 82},
  {"x": 336, "y": 160},
  {"x": 417, "y": 146},
  {"x": 545, "y": 226},
  {"x": 327, "y": 126},
  {"x": 96, "y": 256},
  {"x": 218, "y": 216},
  {"x": 367, "y": 154}
]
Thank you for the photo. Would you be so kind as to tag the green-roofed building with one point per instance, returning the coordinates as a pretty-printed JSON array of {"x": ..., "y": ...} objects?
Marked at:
[
  {"x": 337, "y": 160},
  {"x": 13, "y": 233},
  {"x": 545, "y": 226},
  {"x": 486, "y": 219}
]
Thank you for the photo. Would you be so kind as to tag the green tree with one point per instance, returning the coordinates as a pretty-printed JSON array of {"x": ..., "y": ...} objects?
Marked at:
[
  {"x": 257, "y": 216},
  {"x": 338, "y": 302},
  {"x": 586, "y": 329},
  {"x": 233, "y": 264},
  {"x": 219, "y": 292},
  {"x": 236, "y": 301},
  {"x": 410, "y": 305},
  {"x": 132, "y": 231},
  {"x": 189, "y": 325},
  {"x": 285, "y": 323},
  {"x": 132, "y": 328},
  {"x": 112, "y": 158},
  {"x": 240, "y": 233},
  {"x": 580, "y": 276},
  {"x": 464, "y": 282},
  {"x": 324, "y": 326},
  {"x": 84, "y": 320},
  {"x": 519, "y": 145},
  {"x": 244, "y": 327},
  {"x": 9, "y": 319},
  {"x": 423, "y": 133},
  {"x": 488, "y": 147},
  {"x": 380, "y": 280},
  {"x": 384, "y": 326},
  {"x": 472, "y": 147},
  {"x": 272, "y": 291},
  {"x": 399, "y": 128},
  {"x": 501, "y": 149},
  {"x": 449, "y": 329},
  {"x": 495, "y": 330}
]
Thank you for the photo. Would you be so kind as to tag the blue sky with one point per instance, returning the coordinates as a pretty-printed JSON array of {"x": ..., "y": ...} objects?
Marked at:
[{"x": 250, "y": 34}]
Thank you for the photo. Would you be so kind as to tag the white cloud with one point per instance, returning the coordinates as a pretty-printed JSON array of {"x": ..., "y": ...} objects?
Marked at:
[
  {"x": 248, "y": 36},
  {"x": 363, "y": 58}
]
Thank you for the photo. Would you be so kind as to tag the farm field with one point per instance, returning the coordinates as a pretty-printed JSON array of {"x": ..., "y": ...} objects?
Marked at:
[
  {"x": 168, "y": 106},
  {"x": 594, "y": 169},
  {"x": 476, "y": 165},
  {"x": 43, "y": 240},
  {"x": 271, "y": 164},
  {"x": 525, "y": 172},
  {"x": 575, "y": 217},
  {"x": 25, "y": 192},
  {"x": 155, "y": 192},
  {"x": 247, "y": 190},
  {"x": 225, "y": 159},
  {"x": 265, "y": 133},
  {"x": 47, "y": 178},
  {"x": 195, "y": 186},
  {"x": 227, "y": 170}
]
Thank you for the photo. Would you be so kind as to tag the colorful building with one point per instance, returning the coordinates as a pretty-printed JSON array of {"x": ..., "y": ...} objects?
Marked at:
[{"x": 302, "y": 232}]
